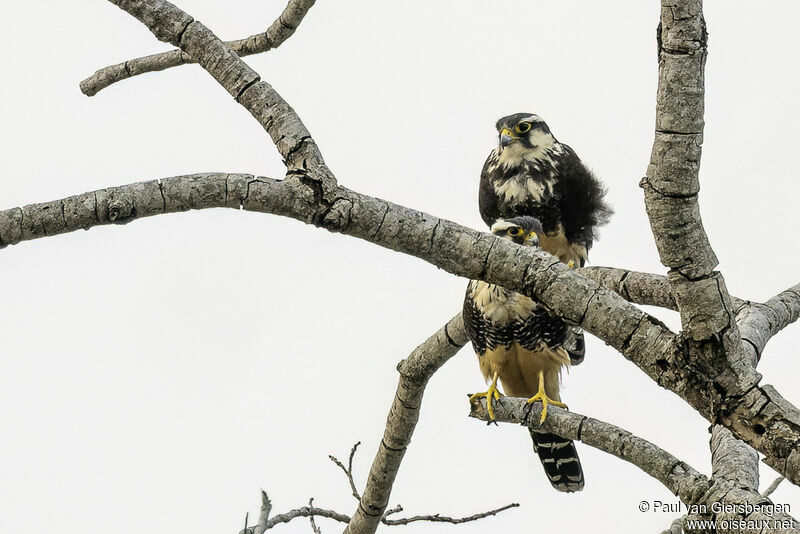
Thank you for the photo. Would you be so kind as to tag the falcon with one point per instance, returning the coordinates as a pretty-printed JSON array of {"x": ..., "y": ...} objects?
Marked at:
[
  {"x": 521, "y": 345},
  {"x": 531, "y": 173}
]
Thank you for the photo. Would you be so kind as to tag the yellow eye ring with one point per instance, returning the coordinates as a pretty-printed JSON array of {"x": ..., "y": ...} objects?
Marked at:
[
  {"x": 514, "y": 231},
  {"x": 523, "y": 127}
]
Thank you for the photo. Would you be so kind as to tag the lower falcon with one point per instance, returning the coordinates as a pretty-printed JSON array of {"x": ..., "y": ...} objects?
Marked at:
[{"x": 520, "y": 344}]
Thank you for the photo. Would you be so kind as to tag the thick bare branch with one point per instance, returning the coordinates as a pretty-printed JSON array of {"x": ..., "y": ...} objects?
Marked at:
[
  {"x": 691, "y": 487},
  {"x": 679, "y": 477},
  {"x": 415, "y": 371},
  {"x": 758, "y": 415},
  {"x": 721, "y": 389},
  {"x": 639, "y": 288},
  {"x": 671, "y": 190},
  {"x": 672, "y": 183},
  {"x": 759, "y": 322},
  {"x": 280, "y": 30},
  {"x": 732, "y": 459}
]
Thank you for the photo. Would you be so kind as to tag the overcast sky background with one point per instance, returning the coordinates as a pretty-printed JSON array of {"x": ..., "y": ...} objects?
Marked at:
[{"x": 154, "y": 376}]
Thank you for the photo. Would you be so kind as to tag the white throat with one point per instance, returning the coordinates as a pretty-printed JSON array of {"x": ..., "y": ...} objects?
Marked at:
[{"x": 515, "y": 153}]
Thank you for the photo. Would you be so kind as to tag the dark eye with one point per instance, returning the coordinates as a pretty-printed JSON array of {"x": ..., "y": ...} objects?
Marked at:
[
  {"x": 523, "y": 127},
  {"x": 514, "y": 231}
]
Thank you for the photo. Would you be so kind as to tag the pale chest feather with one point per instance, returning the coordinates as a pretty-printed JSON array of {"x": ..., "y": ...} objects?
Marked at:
[
  {"x": 523, "y": 189},
  {"x": 524, "y": 177},
  {"x": 500, "y": 305}
]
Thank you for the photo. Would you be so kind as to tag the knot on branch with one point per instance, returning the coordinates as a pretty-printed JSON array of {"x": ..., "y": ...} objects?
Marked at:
[{"x": 121, "y": 209}]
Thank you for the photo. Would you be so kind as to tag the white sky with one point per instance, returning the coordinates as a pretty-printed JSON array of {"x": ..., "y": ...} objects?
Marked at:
[{"x": 154, "y": 376}]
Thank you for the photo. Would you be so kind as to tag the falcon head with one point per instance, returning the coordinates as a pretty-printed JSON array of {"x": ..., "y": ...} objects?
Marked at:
[
  {"x": 521, "y": 230},
  {"x": 523, "y": 133}
]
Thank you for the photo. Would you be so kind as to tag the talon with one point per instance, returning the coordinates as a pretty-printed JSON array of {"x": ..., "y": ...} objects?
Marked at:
[
  {"x": 490, "y": 394},
  {"x": 541, "y": 395}
]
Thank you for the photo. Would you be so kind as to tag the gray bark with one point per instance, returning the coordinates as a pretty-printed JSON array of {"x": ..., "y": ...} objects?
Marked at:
[
  {"x": 458, "y": 250},
  {"x": 708, "y": 364},
  {"x": 415, "y": 371},
  {"x": 759, "y": 322},
  {"x": 280, "y": 30},
  {"x": 671, "y": 193},
  {"x": 693, "y": 488}
]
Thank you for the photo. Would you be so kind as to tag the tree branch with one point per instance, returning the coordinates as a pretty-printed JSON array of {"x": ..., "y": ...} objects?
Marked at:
[
  {"x": 314, "y": 528},
  {"x": 733, "y": 460},
  {"x": 310, "y": 511},
  {"x": 672, "y": 183},
  {"x": 415, "y": 371},
  {"x": 760, "y": 415},
  {"x": 690, "y": 486},
  {"x": 348, "y": 471},
  {"x": 280, "y": 30},
  {"x": 290, "y": 136},
  {"x": 639, "y": 288},
  {"x": 759, "y": 322},
  {"x": 714, "y": 381},
  {"x": 772, "y": 487},
  {"x": 670, "y": 192},
  {"x": 437, "y": 518},
  {"x": 679, "y": 477},
  {"x": 305, "y": 511},
  {"x": 263, "y": 518}
]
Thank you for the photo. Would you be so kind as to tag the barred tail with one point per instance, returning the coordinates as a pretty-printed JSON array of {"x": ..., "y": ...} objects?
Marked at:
[
  {"x": 575, "y": 345},
  {"x": 560, "y": 461}
]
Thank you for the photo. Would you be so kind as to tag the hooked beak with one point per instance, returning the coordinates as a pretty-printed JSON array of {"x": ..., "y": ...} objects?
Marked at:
[
  {"x": 532, "y": 239},
  {"x": 506, "y": 137}
]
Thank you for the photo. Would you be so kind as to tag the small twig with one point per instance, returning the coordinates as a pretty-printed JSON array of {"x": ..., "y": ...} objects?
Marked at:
[
  {"x": 314, "y": 526},
  {"x": 395, "y": 510},
  {"x": 442, "y": 519},
  {"x": 348, "y": 471},
  {"x": 772, "y": 487}
]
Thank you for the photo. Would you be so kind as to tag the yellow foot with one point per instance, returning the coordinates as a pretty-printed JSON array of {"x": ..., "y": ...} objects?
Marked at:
[
  {"x": 542, "y": 396},
  {"x": 490, "y": 394},
  {"x": 571, "y": 264}
]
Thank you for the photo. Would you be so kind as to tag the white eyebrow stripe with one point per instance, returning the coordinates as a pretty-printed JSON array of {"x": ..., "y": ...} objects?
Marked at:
[{"x": 501, "y": 225}]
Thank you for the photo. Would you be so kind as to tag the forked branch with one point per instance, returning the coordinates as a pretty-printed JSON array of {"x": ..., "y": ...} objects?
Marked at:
[
  {"x": 280, "y": 30},
  {"x": 690, "y": 486},
  {"x": 311, "y": 511}
]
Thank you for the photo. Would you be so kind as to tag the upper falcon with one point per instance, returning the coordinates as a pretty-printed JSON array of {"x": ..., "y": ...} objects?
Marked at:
[{"x": 531, "y": 173}]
